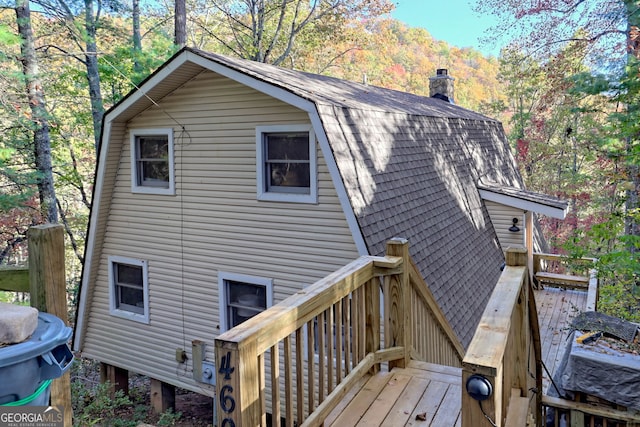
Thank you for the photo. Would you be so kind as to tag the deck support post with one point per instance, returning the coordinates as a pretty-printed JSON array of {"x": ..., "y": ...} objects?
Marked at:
[
  {"x": 163, "y": 396},
  {"x": 117, "y": 378},
  {"x": 397, "y": 304}
]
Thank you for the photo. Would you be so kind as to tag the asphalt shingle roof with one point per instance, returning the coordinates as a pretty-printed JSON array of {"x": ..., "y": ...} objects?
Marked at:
[
  {"x": 518, "y": 193},
  {"x": 410, "y": 165}
]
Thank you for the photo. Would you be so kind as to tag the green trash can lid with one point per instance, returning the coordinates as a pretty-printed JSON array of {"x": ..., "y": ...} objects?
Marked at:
[{"x": 49, "y": 334}]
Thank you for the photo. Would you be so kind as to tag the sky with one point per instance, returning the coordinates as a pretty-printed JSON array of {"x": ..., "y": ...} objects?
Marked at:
[{"x": 452, "y": 21}]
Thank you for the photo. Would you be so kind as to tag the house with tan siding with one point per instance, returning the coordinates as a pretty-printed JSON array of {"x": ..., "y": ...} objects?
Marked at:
[{"x": 224, "y": 186}]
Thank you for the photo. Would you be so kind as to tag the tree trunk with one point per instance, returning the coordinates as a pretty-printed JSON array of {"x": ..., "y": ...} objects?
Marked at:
[
  {"x": 137, "y": 38},
  {"x": 93, "y": 75},
  {"x": 180, "y": 23},
  {"x": 35, "y": 96}
]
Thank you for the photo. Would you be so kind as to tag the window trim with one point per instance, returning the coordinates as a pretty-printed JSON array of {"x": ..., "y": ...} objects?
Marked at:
[
  {"x": 113, "y": 306},
  {"x": 137, "y": 188},
  {"x": 262, "y": 192},
  {"x": 224, "y": 276}
]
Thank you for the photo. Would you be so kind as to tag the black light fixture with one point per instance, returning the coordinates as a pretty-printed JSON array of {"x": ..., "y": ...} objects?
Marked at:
[
  {"x": 479, "y": 387},
  {"x": 514, "y": 228}
]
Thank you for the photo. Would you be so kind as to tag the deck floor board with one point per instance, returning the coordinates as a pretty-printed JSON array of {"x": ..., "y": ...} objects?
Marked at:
[
  {"x": 395, "y": 398},
  {"x": 431, "y": 392},
  {"x": 406, "y": 403},
  {"x": 556, "y": 308}
]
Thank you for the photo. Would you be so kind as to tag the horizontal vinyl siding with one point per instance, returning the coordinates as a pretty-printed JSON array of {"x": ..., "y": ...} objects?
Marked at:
[
  {"x": 213, "y": 223},
  {"x": 502, "y": 219},
  {"x": 98, "y": 224}
]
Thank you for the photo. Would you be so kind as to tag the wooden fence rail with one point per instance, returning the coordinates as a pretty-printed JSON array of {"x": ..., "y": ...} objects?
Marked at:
[
  {"x": 505, "y": 352},
  {"x": 560, "y": 412},
  {"x": 564, "y": 271},
  {"x": 45, "y": 281},
  {"x": 295, "y": 361},
  {"x": 14, "y": 279},
  {"x": 432, "y": 338}
]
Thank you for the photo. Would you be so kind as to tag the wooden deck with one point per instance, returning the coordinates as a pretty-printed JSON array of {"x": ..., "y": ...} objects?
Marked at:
[
  {"x": 422, "y": 394},
  {"x": 556, "y": 307},
  {"x": 425, "y": 394}
]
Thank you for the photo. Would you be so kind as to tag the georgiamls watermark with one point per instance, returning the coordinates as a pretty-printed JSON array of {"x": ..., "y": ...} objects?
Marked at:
[{"x": 31, "y": 416}]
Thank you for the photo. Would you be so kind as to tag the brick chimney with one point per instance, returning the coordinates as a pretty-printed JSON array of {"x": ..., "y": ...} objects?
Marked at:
[{"x": 441, "y": 85}]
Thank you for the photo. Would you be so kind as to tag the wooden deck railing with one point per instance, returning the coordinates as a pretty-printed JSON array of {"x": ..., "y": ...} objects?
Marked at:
[
  {"x": 555, "y": 270},
  {"x": 505, "y": 352},
  {"x": 432, "y": 339},
  {"x": 578, "y": 273},
  {"x": 560, "y": 412},
  {"x": 296, "y": 361},
  {"x": 564, "y": 271}
]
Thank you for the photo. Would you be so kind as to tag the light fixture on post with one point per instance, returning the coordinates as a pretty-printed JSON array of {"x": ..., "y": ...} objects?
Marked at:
[
  {"x": 514, "y": 228},
  {"x": 479, "y": 387}
]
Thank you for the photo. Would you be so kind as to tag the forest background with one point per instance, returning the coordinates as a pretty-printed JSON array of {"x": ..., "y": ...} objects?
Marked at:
[{"x": 565, "y": 88}]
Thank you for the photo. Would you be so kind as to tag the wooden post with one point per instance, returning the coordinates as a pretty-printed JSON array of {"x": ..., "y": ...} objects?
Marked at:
[
  {"x": 516, "y": 257},
  {"x": 534, "y": 326},
  {"x": 48, "y": 289},
  {"x": 528, "y": 220},
  {"x": 499, "y": 351},
  {"x": 163, "y": 396},
  {"x": 237, "y": 384},
  {"x": 473, "y": 415},
  {"x": 397, "y": 304},
  {"x": 118, "y": 378}
]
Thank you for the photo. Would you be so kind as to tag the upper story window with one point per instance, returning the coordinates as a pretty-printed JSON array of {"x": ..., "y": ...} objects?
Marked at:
[
  {"x": 152, "y": 168},
  {"x": 286, "y": 163},
  {"x": 129, "y": 288}
]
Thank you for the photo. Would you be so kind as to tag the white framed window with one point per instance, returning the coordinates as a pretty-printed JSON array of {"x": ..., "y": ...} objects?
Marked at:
[
  {"x": 129, "y": 288},
  {"x": 242, "y": 297},
  {"x": 286, "y": 163},
  {"x": 152, "y": 167}
]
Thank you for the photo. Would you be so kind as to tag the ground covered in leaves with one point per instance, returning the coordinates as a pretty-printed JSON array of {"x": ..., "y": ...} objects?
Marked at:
[{"x": 93, "y": 405}]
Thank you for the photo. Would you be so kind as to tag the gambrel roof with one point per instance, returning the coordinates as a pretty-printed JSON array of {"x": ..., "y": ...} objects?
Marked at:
[{"x": 403, "y": 165}]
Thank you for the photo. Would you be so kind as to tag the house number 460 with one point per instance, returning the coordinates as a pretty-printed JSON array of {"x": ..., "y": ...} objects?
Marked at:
[{"x": 227, "y": 402}]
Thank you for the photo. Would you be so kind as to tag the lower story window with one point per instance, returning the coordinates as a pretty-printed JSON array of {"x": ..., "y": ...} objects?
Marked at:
[
  {"x": 128, "y": 288},
  {"x": 242, "y": 297}
]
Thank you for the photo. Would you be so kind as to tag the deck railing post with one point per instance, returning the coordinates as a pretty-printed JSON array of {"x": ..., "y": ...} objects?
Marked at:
[
  {"x": 528, "y": 219},
  {"x": 237, "y": 384},
  {"x": 516, "y": 257},
  {"x": 48, "y": 289},
  {"x": 397, "y": 303}
]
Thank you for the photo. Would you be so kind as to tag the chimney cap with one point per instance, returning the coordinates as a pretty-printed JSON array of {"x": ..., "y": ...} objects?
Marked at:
[{"x": 442, "y": 72}]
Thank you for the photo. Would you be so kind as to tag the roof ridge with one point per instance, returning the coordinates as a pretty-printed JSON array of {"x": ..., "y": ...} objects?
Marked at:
[{"x": 321, "y": 88}]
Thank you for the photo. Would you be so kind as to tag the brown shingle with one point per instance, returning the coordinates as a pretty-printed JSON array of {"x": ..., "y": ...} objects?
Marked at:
[{"x": 410, "y": 166}]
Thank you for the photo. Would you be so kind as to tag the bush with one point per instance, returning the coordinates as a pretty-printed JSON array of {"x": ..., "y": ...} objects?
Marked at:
[{"x": 95, "y": 405}]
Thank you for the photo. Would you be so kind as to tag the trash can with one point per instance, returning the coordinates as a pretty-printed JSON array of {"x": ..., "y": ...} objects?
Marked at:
[{"x": 27, "y": 368}]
